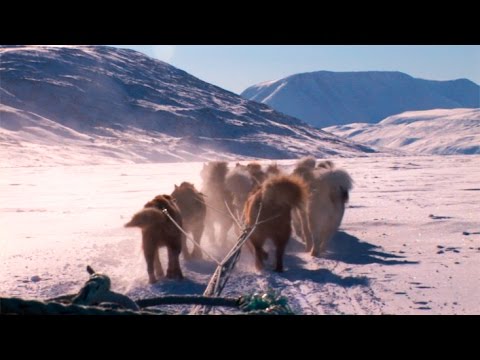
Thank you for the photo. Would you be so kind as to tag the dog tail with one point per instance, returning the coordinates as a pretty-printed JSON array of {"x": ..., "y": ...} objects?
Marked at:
[
  {"x": 146, "y": 217},
  {"x": 338, "y": 181},
  {"x": 287, "y": 190}
]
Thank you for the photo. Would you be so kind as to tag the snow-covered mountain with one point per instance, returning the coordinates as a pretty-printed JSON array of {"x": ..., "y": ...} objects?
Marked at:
[
  {"x": 71, "y": 103},
  {"x": 327, "y": 98},
  {"x": 440, "y": 131}
]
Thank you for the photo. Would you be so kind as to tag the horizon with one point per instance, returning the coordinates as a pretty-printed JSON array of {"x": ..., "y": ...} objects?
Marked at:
[{"x": 237, "y": 67}]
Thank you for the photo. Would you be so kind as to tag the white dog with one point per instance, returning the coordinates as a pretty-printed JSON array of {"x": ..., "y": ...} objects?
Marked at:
[{"x": 329, "y": 191}]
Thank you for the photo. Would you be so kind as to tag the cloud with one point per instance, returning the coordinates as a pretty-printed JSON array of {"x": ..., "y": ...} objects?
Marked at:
[{"x": 163, "y": 52}]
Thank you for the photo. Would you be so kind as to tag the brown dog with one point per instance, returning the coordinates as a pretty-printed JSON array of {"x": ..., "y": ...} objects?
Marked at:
[
  {"x": 158, "y": 231},
  {"x": 278, "y": 196},
  {"x": 216, "y": 196},
  {"x": 161, "y": 202},
  {"x": 240, "y": 183},
  {"x": 193, "y": 210},
  {"x": 273, "y": 170},
  {"x": 255, "y": 169},
  {"x": 304, "y": 168}
]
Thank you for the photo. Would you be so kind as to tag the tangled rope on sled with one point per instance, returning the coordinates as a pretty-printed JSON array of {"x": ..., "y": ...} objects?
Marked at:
[{"x": 96, "y": 298}]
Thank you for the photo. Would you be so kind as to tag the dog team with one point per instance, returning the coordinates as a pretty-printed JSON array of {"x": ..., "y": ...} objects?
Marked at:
[{"x": 311, "y": 200}]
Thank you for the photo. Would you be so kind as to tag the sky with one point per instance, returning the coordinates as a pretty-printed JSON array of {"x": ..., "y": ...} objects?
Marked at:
[{"x": 236, "y": 67}]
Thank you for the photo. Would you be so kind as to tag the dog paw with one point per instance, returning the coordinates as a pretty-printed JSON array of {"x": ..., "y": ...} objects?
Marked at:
[
  {"x": 174, "y": 275},
  {"x": 315, "y": 253},
  {"x": 197, "y": 254}
]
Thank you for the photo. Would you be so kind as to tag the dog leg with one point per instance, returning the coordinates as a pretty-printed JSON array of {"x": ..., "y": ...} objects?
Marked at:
[
  {"x": 305, "y": 225},
  {"x": 325, "y": 232},
  {"x": 197, "y": 236},
  {"x": 257, "y": 244},
  {"x": 158, "y": 265},
  {"x": 225, "y": 226},
  {"x": 174, "y": 271},
  {"x": 297, "y": 224},
  {"x": 330, "y": 227},
  {"x": 149, "y": 253},
  {"x": 210, "y": 230},
  {"x": 185, "y": 252},
  {"x": 280, "y": 251}
]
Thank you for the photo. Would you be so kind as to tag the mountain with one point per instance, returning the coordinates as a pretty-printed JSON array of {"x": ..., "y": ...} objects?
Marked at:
[
  {"x": 325, "y": 98},
  {"x": 101, "y": 103},
  {"x": 440, "y": 131}
]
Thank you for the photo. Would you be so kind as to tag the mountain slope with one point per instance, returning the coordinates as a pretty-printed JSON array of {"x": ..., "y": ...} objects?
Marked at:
[
  {"x": 327, "y": 98},
  {"x": 441, "y": 132},
  {"x": 136, "y": 108}
]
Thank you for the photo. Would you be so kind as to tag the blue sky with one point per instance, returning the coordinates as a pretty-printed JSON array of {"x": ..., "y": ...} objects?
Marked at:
[{"x": 235, "y": 67}]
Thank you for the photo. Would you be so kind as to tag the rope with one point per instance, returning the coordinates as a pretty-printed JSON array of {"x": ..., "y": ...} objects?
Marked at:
[
  {"x": 97, "y": 291},
  {"x": 34, "y": 307},
  {"x": 211, "y": 207},
  {"x": 165, "y": 211},
  {"x": 190, "y": 300},
  {"x": 240, "y": 226},
  {"x": 268, "y": 219},
  {"x": 230, "y": 213},
  {"x": 269, "y": 303},
  {"x": 222, "y": 272},
  {"x": 257, "y": 304}
]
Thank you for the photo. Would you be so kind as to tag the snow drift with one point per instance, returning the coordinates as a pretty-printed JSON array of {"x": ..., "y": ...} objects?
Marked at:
[{"x": 440, "y": 131}]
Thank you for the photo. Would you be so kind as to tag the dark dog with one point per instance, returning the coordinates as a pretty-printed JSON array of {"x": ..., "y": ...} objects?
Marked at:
[
  {"x": 273, "y": 170},
  {"x": 193, "y": 210},
  {"x": 240, "y": 183},
  {"x": 255, "y": 169},
  {"x": 159, "y": 231}
]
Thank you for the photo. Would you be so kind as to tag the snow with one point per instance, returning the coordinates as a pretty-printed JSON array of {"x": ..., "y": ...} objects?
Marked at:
[
  {"x": 132, "y": 108},
  {"x": 437, "y": 131},
  {"x": 325, "y": 98},
  {"x": 88, "y": 134},
  {"x": 409, "y": 242}
]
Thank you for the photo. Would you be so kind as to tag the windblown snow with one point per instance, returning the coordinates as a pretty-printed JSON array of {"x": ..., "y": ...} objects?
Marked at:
[
  {"x": 120, "y": 106},
  {"x": 409, "y": 242},
  {"x": 88, "y": 134},
  {"x": 439, "y": 131}
]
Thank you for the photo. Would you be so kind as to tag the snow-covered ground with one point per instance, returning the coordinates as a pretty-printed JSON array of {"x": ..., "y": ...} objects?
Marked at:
[
  {"x": 409, "y": 242},
  {"x": 432, "y": 132}
]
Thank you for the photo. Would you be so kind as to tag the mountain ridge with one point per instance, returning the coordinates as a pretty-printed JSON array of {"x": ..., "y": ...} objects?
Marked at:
[
  {"x": 106, "y": 93},
  {"x": 325, "y": 98},
  {"x": 432, "y": 132}
]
